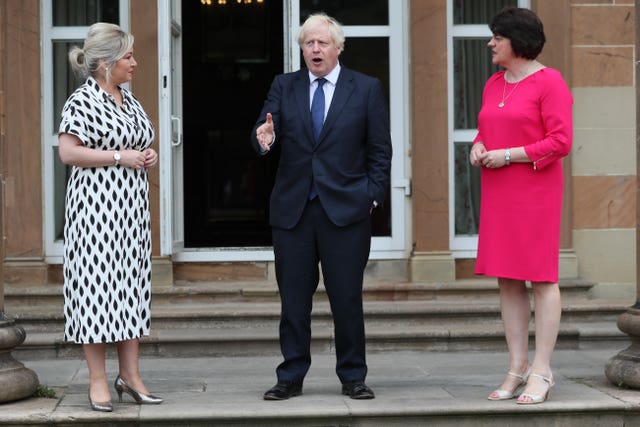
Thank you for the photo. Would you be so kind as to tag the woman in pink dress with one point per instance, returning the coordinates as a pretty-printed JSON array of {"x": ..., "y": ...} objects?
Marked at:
[{"x": 524, "y": 130}]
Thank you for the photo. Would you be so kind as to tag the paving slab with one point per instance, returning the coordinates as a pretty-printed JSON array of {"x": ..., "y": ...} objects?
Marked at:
[{"x": 409, "y": 385}]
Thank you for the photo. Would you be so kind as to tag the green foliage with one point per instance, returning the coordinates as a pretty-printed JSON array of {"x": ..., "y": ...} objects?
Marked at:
[{"x": 44, "y": 391}]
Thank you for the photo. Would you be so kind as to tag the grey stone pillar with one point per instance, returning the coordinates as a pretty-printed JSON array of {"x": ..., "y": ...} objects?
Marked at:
[
  {"x": 623, "y": 369},
  {"x": 16, "y": 381}
]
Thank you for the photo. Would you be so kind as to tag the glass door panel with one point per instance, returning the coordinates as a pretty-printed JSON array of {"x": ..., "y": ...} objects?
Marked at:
[
  {"x": 470, "y": 67},
  {"x": 469, "y": 12},
  {"x": 358, "y": 57},
  {"x": 349, "y": 12},
  {"x": 64, "y": 24},
  {"x": 81, "y": 13},
  {"x": 231, "y": 52}
]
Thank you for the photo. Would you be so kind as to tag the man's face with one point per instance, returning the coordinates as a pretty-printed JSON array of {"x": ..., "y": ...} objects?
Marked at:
[{"x": 319, "y": 50}]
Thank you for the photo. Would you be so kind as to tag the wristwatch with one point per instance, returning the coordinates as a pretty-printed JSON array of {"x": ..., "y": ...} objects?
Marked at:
[
  {"x": 507, "y": 156},
  {"x": 116, "y": 157}
]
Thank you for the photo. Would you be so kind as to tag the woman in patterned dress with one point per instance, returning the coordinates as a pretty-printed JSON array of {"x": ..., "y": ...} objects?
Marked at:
[
  {"x": 524, "y": 130},
  {"x": 106, "y": 136}
]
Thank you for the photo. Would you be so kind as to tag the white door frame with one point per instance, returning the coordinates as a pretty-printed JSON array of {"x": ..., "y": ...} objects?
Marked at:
[
  {"x": 54, "y": 247},
  {"x": 462, "y": 246},
  {"x": 170, "y": 127},
  {"x": 396, "y": 246}
]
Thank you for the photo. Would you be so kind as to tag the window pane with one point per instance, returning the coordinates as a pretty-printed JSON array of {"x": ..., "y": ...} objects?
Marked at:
[
  {"x": 467, "y": 191},
  {"x": 246, "y": 32},
  {"x": 478, "y": 11},
  {"x": 471, "y": 68},
  {"x": 84, "y": 12},
  {"x": 226, "y": 186},
  {"x": 60, "y": 178},
  {"x": 64, "y": 79},
  {"x": 348, "y": 12},
  {"x": 356, "y": 56}
]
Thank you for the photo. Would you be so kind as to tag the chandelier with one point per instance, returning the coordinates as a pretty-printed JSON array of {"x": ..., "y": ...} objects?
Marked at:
[{"x": 223, "y": 2}]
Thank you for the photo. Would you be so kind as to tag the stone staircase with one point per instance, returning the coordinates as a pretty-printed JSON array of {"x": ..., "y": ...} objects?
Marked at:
[{"x": 241, "y": 318}]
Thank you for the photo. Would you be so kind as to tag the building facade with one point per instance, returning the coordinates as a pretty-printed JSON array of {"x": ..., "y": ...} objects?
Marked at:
[{"x": 204, "y": 69}]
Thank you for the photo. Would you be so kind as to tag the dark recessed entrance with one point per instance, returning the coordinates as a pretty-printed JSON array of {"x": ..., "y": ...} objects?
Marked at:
[{"x": 231, "y": 53}]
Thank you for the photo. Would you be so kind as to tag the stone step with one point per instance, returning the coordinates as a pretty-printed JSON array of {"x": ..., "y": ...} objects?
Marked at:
[
  {"x": 242, "y": 341},
  {"x": 235, "y": 318},
  {"x": 243, "y": 328},
  {"x": 205, "y": 292},
  {"x": 49, "y": 317},
  {"x": 420, "y": 388}
]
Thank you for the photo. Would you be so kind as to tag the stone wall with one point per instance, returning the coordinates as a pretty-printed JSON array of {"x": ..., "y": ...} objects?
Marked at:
[{"x": 603, "y": 156}]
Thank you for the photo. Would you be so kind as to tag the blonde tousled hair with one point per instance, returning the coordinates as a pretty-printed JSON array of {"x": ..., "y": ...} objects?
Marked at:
[
  {"x": 104, "y": 41},
  {"x": 335, "y": 29}
]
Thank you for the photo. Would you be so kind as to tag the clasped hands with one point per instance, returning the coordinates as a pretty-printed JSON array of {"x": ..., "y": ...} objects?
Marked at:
[
  {"x": 139, "y": 159},
  {"x": 480, "y": 156}
]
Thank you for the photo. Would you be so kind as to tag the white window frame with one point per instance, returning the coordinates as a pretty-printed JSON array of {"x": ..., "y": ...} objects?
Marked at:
[
  {"x": 54, "y": 247},
  {"x": 461, "y": 246},
  {"x": 396, "y": 246}
]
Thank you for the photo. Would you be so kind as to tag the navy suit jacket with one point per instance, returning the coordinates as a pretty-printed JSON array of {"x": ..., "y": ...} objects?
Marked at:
[{"x": 351, "y": 161}]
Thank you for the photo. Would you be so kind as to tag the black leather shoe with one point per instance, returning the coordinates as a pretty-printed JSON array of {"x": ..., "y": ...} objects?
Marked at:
[
  {"x": 283, "y": 391},
  {"x": 358, "y": 390}
]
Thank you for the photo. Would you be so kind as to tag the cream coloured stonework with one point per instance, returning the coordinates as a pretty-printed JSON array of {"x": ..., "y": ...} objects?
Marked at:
[
  {"x": 606, "y": 255},
  {"x": 600, "y": 151},
  {"x": 604, "y": 107}
]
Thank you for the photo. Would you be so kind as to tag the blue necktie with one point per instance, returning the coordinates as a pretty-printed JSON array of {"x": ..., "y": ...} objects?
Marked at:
[
  {"x": 317, "y": 109},
  {"x": 317, "y": 120}
]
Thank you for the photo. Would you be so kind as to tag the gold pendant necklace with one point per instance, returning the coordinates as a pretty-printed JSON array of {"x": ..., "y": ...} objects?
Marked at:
[{"x": 504, "y": 88}]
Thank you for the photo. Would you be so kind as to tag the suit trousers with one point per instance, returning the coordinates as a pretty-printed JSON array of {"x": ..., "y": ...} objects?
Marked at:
[{"x": 343, "y": 253}]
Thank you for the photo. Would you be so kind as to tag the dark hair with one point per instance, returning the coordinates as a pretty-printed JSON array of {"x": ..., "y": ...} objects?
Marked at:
[{"x": 523, "y": 28}]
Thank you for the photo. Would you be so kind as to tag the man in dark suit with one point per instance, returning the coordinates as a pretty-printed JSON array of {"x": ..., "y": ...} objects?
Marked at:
[{"x": 332, "y": 125}]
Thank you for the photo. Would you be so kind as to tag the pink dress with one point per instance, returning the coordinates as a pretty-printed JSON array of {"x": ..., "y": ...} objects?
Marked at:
[{"x": 521, "y": 204}]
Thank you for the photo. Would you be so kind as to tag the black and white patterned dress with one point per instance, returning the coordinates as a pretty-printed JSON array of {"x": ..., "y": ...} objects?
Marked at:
[{"x": 107, "y": 234}]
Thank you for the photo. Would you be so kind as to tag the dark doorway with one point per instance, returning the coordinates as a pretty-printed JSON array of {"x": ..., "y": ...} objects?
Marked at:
[{"x": 231, "y": 52}]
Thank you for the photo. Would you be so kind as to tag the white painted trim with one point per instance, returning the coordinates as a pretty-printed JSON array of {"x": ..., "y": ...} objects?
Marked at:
[
  {"x": 399, "y": 113},
  {"x": 49, "y": 140},
  {"x": 396, "y": 246},
  {"x": 294, "y": 48},
  {"x": 453, "y": 242},
  {"x": 253, "y": 254},
  {"x": 461, "y": 246},
  {"x": 373, "y": 30},
  {"x": 164, "y": 126},
  {"x": 474, "y": 31},
  {"x": 54, "y": 248},
  {"x": 239, "y": 255}
]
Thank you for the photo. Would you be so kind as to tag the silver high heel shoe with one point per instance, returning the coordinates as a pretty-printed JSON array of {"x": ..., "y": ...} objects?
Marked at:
[
  {"x": 537, "y": 398},
  {"x": 499, "y": 394},
  {"x": 100, "y": 406},
  {"x": 142, "y": 399}
]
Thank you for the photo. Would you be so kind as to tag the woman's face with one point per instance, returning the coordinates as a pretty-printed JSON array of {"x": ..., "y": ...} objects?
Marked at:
[
  {"x": 123, "y": 69},
  {"x": 501, "y": 50}
]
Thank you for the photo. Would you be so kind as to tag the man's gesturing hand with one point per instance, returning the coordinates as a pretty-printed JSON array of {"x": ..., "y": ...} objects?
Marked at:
[{"x": 264, "y": 133}]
